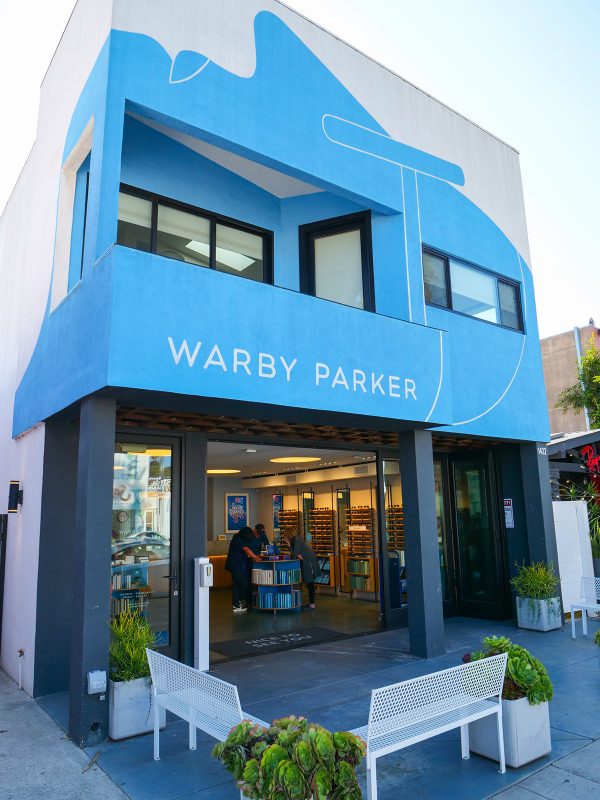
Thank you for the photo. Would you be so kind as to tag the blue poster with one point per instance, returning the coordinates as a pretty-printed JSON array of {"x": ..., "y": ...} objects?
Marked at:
[
  {"x": 277, "y": 506},
  {"x": 236, "y": 512}
]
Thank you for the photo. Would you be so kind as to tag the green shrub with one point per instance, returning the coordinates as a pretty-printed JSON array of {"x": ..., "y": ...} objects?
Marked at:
[
  {"x": 292, "y": 760},
  {"x": 130, "y": 636},
  {"x": 536, "y": 581},
  {"x": 525, "y": 675},
  {"x": 597, "y": 637}
]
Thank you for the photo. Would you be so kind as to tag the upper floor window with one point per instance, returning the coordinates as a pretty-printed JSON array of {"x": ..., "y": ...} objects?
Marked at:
[
  {"x": 452, "y": 284},
  {"x": 80, "y": 203},
  {"x": 336, "y": 260},
  {"x": 173, "y": 230}
]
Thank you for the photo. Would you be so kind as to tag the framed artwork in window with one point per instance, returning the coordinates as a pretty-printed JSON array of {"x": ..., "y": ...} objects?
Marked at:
[{"x": 236, "y": 511}]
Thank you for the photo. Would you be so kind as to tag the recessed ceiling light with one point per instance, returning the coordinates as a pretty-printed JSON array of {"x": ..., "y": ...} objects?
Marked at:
[
  {"x": 158, "y": 451},
  {"x": 222, "y": 471},
  {"x": 293, "y": 459},
  {"x": 250, "y": 450},
  {"x": 116, "y": 466}
]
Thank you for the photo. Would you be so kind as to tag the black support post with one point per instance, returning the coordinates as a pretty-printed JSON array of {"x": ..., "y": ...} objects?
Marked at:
[
  {"x": 194, "y": 532},
  {"x": 425, "y": 609},
  {"x": 88, "y": 717},
  {"x": 537, "y": 493}
]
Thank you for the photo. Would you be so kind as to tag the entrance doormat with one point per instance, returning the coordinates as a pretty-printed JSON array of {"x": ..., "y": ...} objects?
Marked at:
[{"x": 272, "y": 643}]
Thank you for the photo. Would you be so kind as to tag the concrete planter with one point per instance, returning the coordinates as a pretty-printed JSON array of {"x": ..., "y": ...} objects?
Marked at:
[
  {"x": 130, "y": 708},
  {"x": 526, "y": 733},
  {"x": 539, "y": 615}
]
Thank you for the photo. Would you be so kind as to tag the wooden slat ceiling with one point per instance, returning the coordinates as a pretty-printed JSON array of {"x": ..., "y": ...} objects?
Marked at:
[{"x": 214, "y": 425}]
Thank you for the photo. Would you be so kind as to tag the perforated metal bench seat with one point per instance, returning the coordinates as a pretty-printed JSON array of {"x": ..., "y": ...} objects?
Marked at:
[
  {"x": 411, "y": 734},
  {"x": 412, "y": 711},
  {"x": 205, "y": 702}
]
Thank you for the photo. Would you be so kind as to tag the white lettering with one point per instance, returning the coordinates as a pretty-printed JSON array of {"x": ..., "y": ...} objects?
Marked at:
[
  {"x": 394, "y": 384},
  {"x": 376, "y": 384},
  {"x": 321, "y": 372},
  {"x": 359, "y": 381},
  {"x": 410, "y": 387},
  {"x": 266, "y": 365},
  {"x": 215, "y": 359},
  {"x": 340, "y": 379},
  {"x": 184, "y": 349},
  {"x": 288, "y": 367},
  {"x": 239, "y": 362}
]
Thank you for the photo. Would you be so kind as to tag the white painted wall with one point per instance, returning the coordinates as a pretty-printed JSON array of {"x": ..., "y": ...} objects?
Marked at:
[
  {"x": 492, "y": 172},
  {"x": 27, "y": 232},
  {"x": 573, "y": 546}
]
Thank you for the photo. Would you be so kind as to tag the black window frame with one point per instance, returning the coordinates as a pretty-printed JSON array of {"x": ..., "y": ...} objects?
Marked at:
[
  {"x": 213, "y": 219},
  {"x": 315, "y": 230},
  {"x": 499, "y": 279}
]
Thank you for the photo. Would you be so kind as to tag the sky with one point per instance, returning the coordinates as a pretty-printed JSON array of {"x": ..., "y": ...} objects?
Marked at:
[{"x": 526, "y": 70}]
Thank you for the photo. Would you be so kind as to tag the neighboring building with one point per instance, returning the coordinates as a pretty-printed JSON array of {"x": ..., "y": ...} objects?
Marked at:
[
  {"x": 238, "y": 239},
  {"x": 561, "y": 355}
]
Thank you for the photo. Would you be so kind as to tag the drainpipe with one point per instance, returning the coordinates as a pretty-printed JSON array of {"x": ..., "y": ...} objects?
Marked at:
[{"x": 578, "y": 350}]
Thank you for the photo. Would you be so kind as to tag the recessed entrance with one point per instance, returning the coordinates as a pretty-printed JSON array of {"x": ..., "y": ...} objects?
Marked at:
[{"x": 325, "y": 498}]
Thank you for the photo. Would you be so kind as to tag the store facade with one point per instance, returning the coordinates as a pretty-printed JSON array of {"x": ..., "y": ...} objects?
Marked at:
[{"x": 272, "y": 244}]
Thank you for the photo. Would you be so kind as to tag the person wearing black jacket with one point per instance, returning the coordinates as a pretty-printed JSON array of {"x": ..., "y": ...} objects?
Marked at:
[{"x": 239, "y": 560}]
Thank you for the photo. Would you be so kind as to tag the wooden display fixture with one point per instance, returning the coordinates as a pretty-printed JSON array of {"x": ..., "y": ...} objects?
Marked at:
[
  {"x": 360, "y": 562},
  {"x": 289, "y": 525},
  {"x": 394, "y": 521}
]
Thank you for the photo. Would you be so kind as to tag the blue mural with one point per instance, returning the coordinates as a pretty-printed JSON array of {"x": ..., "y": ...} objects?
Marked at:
[{"x": 141, "y": 321}]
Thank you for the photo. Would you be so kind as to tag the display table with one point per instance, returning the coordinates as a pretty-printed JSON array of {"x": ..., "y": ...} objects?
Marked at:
[{"x": 275, "y": 585}]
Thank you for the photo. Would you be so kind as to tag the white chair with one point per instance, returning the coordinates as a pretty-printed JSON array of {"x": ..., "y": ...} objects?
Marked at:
[{"x": 589, "y": 601}]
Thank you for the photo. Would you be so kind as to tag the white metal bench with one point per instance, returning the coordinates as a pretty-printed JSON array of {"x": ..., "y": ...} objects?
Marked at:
[
  {"x": 417, "y": 709},
  {"x": 589, "y": 601},
  {"x": 204, "y": 701}
]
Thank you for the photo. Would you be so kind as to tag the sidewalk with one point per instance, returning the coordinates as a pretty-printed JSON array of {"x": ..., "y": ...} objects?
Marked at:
[
  {"x": 331, "y": 685},
  {"x": 37, "y": 761}
]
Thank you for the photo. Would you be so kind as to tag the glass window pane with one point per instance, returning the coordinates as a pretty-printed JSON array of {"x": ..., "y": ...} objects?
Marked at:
[
  {"x": 338, "y": 268},
  {"x": 183, "y": 236},
  {"x": 395, "y": 533},
  {"x": 434, "y": 276},
  {"x": 509, "y": 306},
  {"x": 141, "y": 534},
  {"x": 240, "y": 253},
  {"x": 135, "y": 219},
  {"x": 473, "y": 292}
]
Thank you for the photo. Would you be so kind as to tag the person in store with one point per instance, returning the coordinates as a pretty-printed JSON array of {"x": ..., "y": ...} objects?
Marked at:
[
  {"x": 239, "y": 562},
  {"x": 309, "y": 566}
]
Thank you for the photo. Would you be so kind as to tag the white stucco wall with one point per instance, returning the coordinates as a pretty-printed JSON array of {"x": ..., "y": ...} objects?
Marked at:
[{"x": 27, "y": 231}]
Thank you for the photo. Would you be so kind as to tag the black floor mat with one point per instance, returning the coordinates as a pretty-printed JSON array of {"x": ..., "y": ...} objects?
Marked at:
[{"x": 271, "y": 643}]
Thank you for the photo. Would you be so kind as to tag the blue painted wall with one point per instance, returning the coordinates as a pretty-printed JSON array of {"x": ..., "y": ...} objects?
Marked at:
[{"x": 292, "y": 114}]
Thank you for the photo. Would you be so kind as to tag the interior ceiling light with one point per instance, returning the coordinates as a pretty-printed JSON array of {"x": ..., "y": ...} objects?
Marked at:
[
  {"x": 235, "y": 261},
  {"x": 116, "y": 466},
  {"x": 250, "y": 450},
  {"x": 222, "y": 471},
  {"x": 294, "y": 459},
  {"x": 158, "y": 451}
]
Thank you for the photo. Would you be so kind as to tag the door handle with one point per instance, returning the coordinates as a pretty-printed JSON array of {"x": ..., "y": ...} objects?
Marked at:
[{"x": 170, "y": 577}]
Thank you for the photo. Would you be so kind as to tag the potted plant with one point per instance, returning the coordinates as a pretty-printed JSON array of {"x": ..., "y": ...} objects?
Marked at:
[
  {"x": 538, "y": 603},
  {"x": 525, "y": 696},
  {"x": 129, "y": 693},
  {"x": 597, "y": 638},
  {"x": 292, "y": 760}
]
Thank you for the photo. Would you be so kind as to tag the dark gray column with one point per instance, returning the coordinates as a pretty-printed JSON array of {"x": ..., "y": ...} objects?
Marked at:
[
  {"x": 537, "y": 493},
  {"x": 425, "y": 610},
  {"x": 88, "y": 718},
  {"x": 194, "y": 532},
  {"x": 55, "y": 572}
]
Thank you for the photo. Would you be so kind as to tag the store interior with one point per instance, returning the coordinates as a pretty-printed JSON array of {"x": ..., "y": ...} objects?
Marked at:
[{"x": 328, "y": 497}]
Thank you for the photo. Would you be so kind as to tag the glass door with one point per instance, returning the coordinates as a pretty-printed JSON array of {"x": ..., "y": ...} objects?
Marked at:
[
  {"x": 393, "y": 557},
  {"x": 145, "y": 539},
  {"x": 479, "y": 572}
]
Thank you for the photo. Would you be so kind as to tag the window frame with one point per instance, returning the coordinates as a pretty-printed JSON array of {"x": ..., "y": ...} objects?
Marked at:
[
  {"x": 499, "y": 279},
  {"x": 314, "y": 230},
  {"x": 214, "y": 219}
]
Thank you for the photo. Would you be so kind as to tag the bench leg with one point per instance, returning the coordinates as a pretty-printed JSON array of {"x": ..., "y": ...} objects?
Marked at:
[
  {"x": 156, "y": 731},
  {"x": 573, "y": 634},
  {"x": 192, "y": 737},
  {"x": 371, "y": 778},
  {"x": 464, "y": 741},
  {"x": 584, "y": 620},
  {"x": 501, "y": 741}
]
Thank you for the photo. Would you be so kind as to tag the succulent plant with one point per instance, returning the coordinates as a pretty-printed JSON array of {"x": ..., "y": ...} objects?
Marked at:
[{"x": 292, "y": 760}]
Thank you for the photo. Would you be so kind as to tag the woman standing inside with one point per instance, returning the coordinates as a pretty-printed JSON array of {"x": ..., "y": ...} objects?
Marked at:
[
  {"x": 309, "y": 566},
  {"x": 239, "y": 560}
]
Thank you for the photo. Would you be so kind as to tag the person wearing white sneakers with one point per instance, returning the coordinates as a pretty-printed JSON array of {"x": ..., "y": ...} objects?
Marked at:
[{"x": 238, "y": 560}]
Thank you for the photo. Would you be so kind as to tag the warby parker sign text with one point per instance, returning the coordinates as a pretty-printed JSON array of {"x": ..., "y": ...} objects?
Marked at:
[{"x": 238, "y": 361}]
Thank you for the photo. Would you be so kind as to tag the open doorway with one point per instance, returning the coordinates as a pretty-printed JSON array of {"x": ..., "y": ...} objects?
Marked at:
[{"x": 326, "y": 498}]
